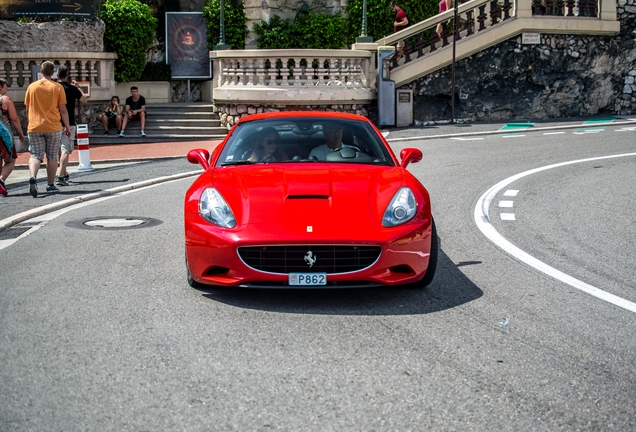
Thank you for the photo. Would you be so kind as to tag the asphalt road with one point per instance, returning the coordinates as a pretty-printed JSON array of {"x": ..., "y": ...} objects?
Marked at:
[{"x": 100, "y": 331}]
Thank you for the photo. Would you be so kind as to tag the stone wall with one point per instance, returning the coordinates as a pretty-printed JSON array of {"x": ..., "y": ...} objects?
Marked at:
[
  {"x": 563, "y": 76},
  {"x": 179, "y": 91},
  {"x": 59, "y": 36},
  {"x": 231, "y": 113}
]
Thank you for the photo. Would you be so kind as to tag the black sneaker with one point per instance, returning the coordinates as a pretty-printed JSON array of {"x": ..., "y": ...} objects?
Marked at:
[
  {"x": 60, "y": 181},
  {"x": 52, "y": 189},
  {"x": 33, "y": 187},
  {"x": 66, "y": 178},
  {"x": 105, "y": 132}
]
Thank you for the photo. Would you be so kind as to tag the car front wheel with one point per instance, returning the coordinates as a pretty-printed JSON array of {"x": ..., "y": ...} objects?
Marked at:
[
  {"x": 191, "y": 281},
  {"x": 432, "y": 261}
]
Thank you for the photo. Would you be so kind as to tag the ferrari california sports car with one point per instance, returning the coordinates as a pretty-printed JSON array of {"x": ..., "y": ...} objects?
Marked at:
[{"x": 308, "y": 200}]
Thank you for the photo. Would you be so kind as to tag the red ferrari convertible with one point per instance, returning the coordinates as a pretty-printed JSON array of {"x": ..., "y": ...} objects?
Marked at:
[{"x": 308, "y": 199}]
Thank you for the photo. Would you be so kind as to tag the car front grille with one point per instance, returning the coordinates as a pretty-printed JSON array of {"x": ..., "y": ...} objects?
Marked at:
[{"x": 328, "y": 258}]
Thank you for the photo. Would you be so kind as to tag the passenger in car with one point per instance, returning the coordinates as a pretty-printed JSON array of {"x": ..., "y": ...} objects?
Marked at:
[
  {"x": 333, "y": 136},
  {"x": 266, "y": 147}
]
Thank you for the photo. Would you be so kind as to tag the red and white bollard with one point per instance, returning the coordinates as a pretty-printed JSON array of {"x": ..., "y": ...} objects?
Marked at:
[{"x": 82, "y": 148}]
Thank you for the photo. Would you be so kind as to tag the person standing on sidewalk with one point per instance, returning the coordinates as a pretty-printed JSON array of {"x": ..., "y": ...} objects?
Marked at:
[
  {"x": 135, "y": 110},
  {"x": 45, "y": 104},
  {"x": 73, "y": 93},
  {"x": 8, "y": 153}
]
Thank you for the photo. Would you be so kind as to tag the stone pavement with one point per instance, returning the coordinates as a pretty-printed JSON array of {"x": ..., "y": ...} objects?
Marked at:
[{"x": 103, "y": 156}]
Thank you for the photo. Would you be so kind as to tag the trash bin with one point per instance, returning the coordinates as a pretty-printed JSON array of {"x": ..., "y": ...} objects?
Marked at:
[
  {"x": 386, "y": 87},
  {"x": 404, "y": 108}
]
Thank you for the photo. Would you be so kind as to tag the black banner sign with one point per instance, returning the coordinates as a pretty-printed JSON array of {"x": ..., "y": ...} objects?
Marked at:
[
  {"x": 47, "y": 8},
  {"x": 187, "y": 45}
]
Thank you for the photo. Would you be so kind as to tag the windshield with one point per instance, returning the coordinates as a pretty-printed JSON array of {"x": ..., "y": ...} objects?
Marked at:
[{"x": 304, "y": 140}]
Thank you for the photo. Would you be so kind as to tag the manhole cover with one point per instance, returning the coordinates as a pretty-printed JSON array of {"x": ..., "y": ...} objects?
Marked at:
[{"x": 114, "y": 222}]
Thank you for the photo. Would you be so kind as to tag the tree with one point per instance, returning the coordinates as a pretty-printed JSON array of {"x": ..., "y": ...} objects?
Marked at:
[
  {"x": 234, "y": 20},
  {"x": 130, "y": 32}
]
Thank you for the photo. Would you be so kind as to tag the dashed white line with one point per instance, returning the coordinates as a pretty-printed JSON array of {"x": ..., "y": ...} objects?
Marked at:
[
  {"x": 467, "y": 139},
  {"x": 588, "y": 131},
  {"x": 512, "y": 136},
  {"x": 511, "y": 192},
  {"x": 553, "y": 133},
  {"x": 485, "y": 226},
  {"x": 507, "y": 216},
  {"x": 506, "y": 204}
]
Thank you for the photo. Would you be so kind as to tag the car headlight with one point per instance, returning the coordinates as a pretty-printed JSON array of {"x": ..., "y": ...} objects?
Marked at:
[
  {"x": 213, "y": 208},
  {"x": 401, "y": 209}
]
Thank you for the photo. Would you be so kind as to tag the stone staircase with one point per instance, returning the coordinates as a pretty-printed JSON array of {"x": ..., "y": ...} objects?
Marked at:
[{"x": 168, "y": 122}]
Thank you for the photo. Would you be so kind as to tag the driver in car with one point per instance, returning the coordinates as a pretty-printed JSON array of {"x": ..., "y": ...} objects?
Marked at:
[{"x": 333, "y": 135}]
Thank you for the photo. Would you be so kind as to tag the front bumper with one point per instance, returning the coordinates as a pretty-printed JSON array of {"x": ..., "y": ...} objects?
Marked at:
[{"x": 212, "y": 256}]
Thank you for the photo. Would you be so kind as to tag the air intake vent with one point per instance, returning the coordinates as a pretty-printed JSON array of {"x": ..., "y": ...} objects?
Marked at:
[
  {"x": 329, "y": 259},
  {"x": 316, "y": 197}
]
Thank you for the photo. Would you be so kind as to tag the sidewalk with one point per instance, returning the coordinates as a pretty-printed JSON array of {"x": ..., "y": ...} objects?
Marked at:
[
  {"x": 106, "y": 156},
  {"x": 113, "y": 154},
  {"x": 131, "y": 152}
]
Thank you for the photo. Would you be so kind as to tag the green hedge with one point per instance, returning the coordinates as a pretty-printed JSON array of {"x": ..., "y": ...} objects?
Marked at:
[
  {"x": 380, "y": 17},
  {"x": 159, "y": 71},
  {"x": 130, "y": 32},
  {"x": 234, "y": 21},
  {"x": 308, "y": 31},
  {"x": 320, "y": 31}
]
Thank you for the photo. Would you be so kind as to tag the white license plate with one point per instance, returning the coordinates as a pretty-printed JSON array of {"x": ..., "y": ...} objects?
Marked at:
[{"x": 307, "y": 279}]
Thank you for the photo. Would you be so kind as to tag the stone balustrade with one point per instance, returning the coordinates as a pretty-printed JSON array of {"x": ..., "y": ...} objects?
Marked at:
[
  {"x": 95, "y": 68},
  {"x": 302, "y": 76},
  {"x": 255, "y": 81}
]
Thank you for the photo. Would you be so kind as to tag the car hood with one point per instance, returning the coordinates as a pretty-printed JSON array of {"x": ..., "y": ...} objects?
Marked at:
[{"x": 313, "y": 197}]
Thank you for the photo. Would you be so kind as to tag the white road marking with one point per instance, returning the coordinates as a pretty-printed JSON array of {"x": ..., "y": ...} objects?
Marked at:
[
  {"x": 626, "y": 129},
  {"x": 467, "y": 139},
  {"x": 483, "y": 223},
  {"x": 511, "y": 192},
  {"x": 506, "y": 204},
  {"x": 553, "y": 133},
  {"x": 512, "y": 136},
  {"x": 49, "y": 212},
  {"x": 588, "y": 131},
  {"x": 507, "y": 216}
]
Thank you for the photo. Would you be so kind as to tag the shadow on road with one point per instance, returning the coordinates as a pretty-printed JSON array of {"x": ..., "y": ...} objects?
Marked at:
[{"x": 449, "y": 289}]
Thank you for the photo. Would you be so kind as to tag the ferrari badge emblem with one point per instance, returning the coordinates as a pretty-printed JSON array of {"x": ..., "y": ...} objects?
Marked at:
[{"x": 310, "y": 259}]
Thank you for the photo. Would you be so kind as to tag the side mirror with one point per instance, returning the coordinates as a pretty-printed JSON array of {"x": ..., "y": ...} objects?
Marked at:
[
  {"x": 199, "y": 156},
  {"x": 410, "y": 155}
]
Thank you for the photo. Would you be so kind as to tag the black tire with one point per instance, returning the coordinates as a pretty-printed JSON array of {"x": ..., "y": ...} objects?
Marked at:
[
  {"x": 432, "y": 262},
  {"x": 191, "y": 281}
]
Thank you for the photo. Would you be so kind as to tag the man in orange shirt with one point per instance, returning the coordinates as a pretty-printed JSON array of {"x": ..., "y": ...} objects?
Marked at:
[{"x": 45, "y": 102}]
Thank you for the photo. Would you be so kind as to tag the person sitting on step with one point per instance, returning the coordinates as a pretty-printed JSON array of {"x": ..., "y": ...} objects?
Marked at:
[
  {"x": 135, "y": 110},
  {"x": 111, "y": 117}
]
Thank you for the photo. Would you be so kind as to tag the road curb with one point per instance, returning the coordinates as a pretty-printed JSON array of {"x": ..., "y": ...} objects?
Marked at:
[
  {"x": 110, "y": 161},
  {"x": 50, "y": 208},
  {"x": 507, "y": 132}
]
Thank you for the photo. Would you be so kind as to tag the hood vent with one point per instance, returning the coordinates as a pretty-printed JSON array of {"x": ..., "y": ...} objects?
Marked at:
[{"x": 312, "y": 197}]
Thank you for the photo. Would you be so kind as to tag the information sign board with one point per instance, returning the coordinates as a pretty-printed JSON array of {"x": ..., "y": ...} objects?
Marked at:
[{"x": 187, "y": 45}]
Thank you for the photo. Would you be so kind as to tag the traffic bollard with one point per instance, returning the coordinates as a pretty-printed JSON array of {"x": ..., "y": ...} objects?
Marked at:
[{"x": 82, "y": 148}]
